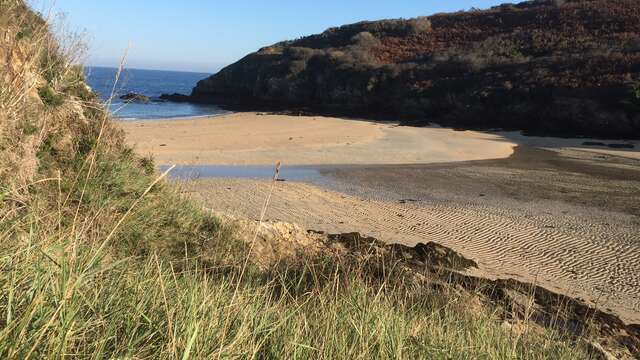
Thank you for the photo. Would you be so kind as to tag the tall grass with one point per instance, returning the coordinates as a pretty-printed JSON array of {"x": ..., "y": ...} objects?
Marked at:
[
  {"x": 60, "y": 300},
  {"x": 102, "y": 259}
]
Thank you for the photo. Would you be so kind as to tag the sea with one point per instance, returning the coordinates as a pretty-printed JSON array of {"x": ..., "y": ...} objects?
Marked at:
[{"x": 151, "y": 83}]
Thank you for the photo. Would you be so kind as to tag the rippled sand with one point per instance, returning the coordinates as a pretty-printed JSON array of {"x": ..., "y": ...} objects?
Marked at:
[{"x": 571, "y": 232}]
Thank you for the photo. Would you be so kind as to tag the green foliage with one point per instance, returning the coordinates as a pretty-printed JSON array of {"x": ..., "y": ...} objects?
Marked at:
[
  {"x": 29, "y": 128},
  {"x": 25, "y": 32},
  {"x": 540, "y": 51},
  {"x": 52, "y": 63},
  {"x": 3, "y": 192},
  {"x": 102, "y": 266},
  {"x": 147, "y": 165},
  {"x": 50, "y": 97},
  {"x": 635, "y": 95},
  {"x": 116, "y": 271},
  {"x": 74, "y": 84},
  {"x": 398, "y": 27}
]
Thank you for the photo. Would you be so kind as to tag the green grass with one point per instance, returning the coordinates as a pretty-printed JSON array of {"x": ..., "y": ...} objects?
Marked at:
[
  {"x": 49, "y": 96},
  {"x": 25, "y": 32},
  {"x": 63, "y": 297}
]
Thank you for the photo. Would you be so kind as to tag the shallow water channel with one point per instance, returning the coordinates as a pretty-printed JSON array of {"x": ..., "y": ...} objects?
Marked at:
[{"x": 293, "y": 173}]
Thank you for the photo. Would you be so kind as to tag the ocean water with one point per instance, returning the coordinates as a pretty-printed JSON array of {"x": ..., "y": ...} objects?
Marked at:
[{"x": 151, "y": 83}]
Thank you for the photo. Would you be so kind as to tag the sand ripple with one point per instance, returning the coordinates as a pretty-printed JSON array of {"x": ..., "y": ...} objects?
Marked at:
[{"x": 595, "y": 257}]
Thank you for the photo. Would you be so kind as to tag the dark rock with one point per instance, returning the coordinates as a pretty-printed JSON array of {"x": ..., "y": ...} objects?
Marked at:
[
  {"x": 438, "y": 255},
  {"x": 621, "y": 146},
  {"x": 593, "y": 143},
  {"x": 430, "y": 254},
  {"x": 175, "y": 97},
  {"x": 404, "y": 201},
  {"x": 134, "y": 97}
]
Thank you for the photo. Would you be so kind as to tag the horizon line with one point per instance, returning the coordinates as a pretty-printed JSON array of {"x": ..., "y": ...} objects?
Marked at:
[{"x": 147, "y": 69}]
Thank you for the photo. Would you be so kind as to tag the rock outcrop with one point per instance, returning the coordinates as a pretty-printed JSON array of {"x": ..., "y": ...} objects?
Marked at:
[
  {"x": 175, "y": 97},
  {"x": 548, "y": 67},
  {"x": 134, "y": 97}
]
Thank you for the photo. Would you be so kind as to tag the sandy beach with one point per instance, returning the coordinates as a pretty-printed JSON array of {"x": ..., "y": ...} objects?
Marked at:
[
  {"x": 264, "y": 139},
  {"x": 541, "y": 210},
  {"x": 256, "y": 139}
]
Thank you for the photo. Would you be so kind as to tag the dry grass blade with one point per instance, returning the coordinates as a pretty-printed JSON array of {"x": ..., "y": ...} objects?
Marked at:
[{"x": 263, "y": 213}]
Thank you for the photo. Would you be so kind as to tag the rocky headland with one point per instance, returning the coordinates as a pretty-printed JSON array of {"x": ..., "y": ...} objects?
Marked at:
[{"x": 569, "y": 68}]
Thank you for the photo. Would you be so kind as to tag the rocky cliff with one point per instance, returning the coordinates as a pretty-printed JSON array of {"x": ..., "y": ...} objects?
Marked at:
[{"x": 553, "y": 67}]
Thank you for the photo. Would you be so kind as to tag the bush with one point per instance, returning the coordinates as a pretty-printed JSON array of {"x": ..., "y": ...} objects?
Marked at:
[
  {"x": 25, "y": 32},
  {"x": 297, "y": 66},
  {"x": 386, "y": 27},
  {"x": 360, "y": 52},
  {"x": 419, "y": 25},
  {"x": 365, "y": 39},
  {"x": 301, "y": 53},
  {"x": 50, "y": 97}
]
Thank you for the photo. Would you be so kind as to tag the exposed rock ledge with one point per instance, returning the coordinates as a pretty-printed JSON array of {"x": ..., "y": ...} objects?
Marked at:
[{"x": 135, "y": 97}]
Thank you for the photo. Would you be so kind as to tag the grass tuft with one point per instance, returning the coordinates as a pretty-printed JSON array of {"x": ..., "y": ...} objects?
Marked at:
[{"x": 50, "y": 97}]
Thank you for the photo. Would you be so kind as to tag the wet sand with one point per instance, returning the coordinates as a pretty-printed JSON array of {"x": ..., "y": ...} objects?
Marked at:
[{"x": 567, "y": 221}]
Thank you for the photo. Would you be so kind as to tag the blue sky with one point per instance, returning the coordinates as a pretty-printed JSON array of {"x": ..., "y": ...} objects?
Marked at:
[{"x": 207, "y": 35}]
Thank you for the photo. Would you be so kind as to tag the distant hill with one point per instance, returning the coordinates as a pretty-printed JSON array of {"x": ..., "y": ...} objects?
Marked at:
[{"x": 548, "y": 67}]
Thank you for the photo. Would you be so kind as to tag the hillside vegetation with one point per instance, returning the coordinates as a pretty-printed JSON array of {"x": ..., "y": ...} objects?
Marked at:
[
  {"x": 101, "y": 258},
  {"x": 568, "y": 67}
]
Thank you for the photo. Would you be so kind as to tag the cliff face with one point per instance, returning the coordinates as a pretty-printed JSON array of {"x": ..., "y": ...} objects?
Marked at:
[
  {"x": 553, "y": 67},
  {"x": 44, "y": 119}
]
